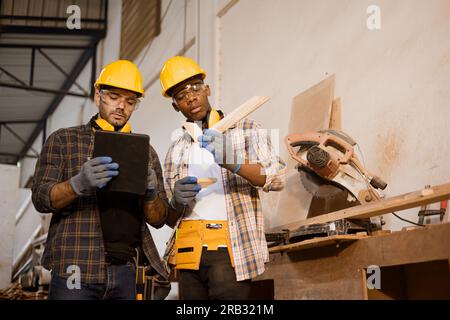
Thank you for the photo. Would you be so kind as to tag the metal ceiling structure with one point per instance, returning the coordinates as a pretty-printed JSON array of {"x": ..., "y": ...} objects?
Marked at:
[{"x": 40, "y": 60}]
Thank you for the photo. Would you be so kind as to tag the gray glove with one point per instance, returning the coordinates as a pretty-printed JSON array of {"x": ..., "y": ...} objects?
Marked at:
[
  {"x": 94, "y": 173},
  {"x": 220, "y": 146},
  {"x": 152, "y": 186},
  {"x": 185, "y": 191}
]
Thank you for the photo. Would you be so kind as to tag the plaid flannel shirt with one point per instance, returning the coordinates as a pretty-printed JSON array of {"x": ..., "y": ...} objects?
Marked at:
[
  {"x": 75, "y": 235},
  {"x": 243, "y": 205}
]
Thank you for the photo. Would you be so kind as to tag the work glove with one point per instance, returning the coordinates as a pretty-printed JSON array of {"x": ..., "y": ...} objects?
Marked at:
[
  {"x": 152, "y": 186},
  {"x": 184, "y": 192},
  {"x": 216, "y": 143},
  {"x": 94, "y": 173}
]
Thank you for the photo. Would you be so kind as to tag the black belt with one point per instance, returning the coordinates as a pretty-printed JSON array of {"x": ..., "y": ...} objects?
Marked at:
[
  {"x": 117, "y": 261},
  {"x": 117, "y": 253}
]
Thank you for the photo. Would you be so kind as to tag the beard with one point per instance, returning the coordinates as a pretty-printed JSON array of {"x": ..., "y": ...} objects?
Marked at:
[{"x": 116, "y": 118}]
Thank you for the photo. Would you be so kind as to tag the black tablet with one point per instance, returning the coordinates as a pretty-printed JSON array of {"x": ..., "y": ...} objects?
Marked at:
[{"x": 131, "y": 152}]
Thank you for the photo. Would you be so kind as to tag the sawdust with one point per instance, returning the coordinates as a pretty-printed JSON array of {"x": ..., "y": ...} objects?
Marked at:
[
  {"x": 389, "y": 146},
  {"x": 15, "y": 292}
]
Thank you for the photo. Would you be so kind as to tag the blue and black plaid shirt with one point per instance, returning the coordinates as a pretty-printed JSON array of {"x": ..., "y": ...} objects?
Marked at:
[{"x": 75, "y": 234}]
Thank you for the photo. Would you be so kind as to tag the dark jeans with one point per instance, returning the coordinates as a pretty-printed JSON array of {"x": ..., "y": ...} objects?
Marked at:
[
  {"x": 120, "y": 285},
  {"x": 214, "y": 280}
]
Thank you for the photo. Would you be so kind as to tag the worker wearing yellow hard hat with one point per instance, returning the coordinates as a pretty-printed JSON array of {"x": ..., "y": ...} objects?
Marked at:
[
  {"x": 97, "y": 236},
  {"x": 218, "y": 244},
  {"x": 118, "y": 79}
]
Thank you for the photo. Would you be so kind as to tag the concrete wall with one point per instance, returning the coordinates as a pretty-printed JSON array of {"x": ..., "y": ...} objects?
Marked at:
[
  {"x": 9, "y": 191},
  {"x": 394, "y": 82}
]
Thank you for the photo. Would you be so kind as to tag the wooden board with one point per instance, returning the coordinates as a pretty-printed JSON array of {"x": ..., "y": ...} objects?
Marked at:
[
  {"x": 336, "y": 115},
  {"x": 239, "y": 113},
  {"x": 336, "y": 273},
  {"x": 401, "y": 202},
  {"x": 193, "y": 129},
  {"x": 206, "y": 182},
  {"x": 230, "y": 119},
  {"x": 316, "y": 242},
  {"x": 311, "y": 108}
]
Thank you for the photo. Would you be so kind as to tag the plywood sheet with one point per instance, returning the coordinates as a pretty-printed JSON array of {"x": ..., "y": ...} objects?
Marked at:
[
  {"x": 311, "y": 108},
  {"x": 310, "y": 111}
]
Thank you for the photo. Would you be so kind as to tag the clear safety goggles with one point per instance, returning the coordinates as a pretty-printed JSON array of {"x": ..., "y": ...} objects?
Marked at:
[
  {"x": 114, "y": 99},
  {"x": 193, "y": 88}
]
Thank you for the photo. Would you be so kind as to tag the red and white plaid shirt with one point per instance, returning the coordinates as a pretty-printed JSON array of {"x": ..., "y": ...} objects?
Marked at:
[{"x": 244, "y": 211}]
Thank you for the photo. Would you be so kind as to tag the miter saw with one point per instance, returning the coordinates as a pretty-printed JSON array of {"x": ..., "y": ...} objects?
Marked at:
[{"x": 330, "y": 170}]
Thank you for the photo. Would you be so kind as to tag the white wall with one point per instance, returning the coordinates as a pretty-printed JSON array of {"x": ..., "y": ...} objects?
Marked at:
[
  {"x": 394, "y": 83},
  {"x": 9, "y": 191}
]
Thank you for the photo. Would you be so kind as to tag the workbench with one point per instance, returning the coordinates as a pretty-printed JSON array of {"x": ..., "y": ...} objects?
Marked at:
[{"x": 414, "y": 264}]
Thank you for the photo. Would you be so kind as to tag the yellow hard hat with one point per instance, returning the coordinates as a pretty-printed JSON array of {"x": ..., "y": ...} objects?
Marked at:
[
  {"x": 176, "y": 70},
  {"x": 121, "y": 74}
]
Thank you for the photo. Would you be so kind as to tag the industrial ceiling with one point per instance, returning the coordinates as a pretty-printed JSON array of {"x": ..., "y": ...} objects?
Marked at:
[{"x": 40, "y": 60}]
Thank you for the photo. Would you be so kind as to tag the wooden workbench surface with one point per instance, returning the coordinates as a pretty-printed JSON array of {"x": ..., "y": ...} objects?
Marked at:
[{"x": 331, "y": 272}]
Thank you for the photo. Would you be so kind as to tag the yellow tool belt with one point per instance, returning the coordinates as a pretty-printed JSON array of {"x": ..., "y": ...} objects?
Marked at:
[{"x": 193, "y": 235}]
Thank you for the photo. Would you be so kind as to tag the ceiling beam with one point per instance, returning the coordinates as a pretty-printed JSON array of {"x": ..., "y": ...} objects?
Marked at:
[
  {"x": 18, "y": 137},
  {"x": 60, "y": 69},
  {"x": 45, "y": 46},
  {"x": 9, "y": 74},
  {"x": 20, "y": 121},
  {"x": 73, "y": 75},
  {"x": 45, "y": 90},
  {"x": 41, "y": 18},
  {"x": 97, "y": 33}
]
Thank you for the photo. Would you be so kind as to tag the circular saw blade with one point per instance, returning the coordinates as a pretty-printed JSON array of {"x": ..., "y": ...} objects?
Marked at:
[{"x": 318, "y": 186}]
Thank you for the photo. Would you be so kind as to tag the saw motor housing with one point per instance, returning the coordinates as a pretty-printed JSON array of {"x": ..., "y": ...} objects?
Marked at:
[
  {"x": 330, "y": 170},
  {"x": 321, "y": 155}
]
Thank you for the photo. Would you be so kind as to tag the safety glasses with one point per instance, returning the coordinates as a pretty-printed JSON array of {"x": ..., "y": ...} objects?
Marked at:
[
  {"x": 114, "y": 99},
  {"x": 194, "y": 88}
]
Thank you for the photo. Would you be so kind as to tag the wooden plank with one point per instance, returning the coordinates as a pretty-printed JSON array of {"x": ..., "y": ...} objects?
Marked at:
[
  {"x": 364, "y": 284},
  {"x": 206, "y": 182},
  {"x": 336, "y": 273},
  {"x": 311, "y": 109},
  {"x": 389, "y": 205},
  {"x": 239, "y": 113},
  {"x": 316, "y": 242},
  {"x": 193, "y": 129},
  {"x": 336, "y": 115},
  {"x": 230, "y": 119}
]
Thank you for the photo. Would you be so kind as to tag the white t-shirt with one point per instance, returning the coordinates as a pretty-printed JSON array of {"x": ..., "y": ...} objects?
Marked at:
[{"x": 210, "y": 202}]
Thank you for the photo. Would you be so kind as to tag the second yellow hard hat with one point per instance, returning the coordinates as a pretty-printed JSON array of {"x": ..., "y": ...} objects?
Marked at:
[{"x": 176, "y": 70}]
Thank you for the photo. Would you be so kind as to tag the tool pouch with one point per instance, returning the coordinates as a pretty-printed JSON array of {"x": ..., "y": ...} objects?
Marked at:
[
  {"x": 193, "y": 235},
  {"x": 188, "y": 247}
]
